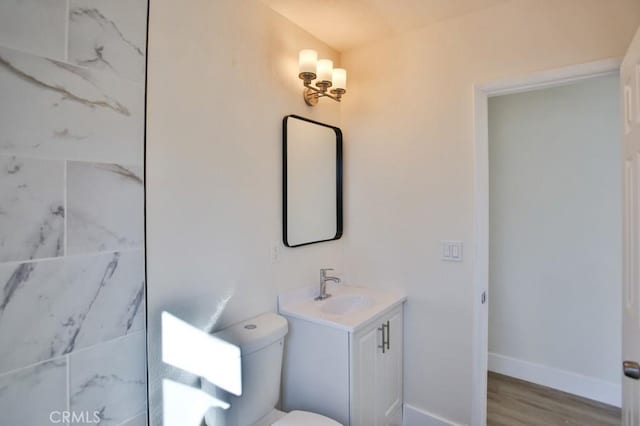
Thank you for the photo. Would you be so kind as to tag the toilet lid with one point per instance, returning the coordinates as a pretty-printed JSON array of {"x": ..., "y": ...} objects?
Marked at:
[{"x": 305, "y": 418}]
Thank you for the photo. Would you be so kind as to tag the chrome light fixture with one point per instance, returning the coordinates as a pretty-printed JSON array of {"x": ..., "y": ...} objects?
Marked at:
[{"x": 325, "y": 77}]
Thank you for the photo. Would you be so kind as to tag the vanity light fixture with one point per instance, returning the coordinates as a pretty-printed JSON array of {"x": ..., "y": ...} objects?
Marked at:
[{"x": 321, "y": 70}]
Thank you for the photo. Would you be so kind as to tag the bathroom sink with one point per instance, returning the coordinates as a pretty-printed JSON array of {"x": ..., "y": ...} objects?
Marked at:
[
  {"x": 344, "y": 305},
  {"x": 348, "y": 308}
]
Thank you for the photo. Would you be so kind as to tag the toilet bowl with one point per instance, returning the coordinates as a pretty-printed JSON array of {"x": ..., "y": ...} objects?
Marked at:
[
  {"x": 299, "y": 418},
  {"x": 261, "y": 343},
  {"x": 295, "y": 418}
]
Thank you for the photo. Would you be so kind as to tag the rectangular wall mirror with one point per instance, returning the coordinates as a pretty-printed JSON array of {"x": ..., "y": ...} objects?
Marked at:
[{"x": 311, "y": 181}]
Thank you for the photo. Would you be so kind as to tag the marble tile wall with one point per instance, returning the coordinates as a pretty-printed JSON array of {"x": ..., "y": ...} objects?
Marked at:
[
  {"x": 32, "y": 208},
  {"x": 106, "y": 36},
  {"x": 34, "y": 26},
  {"x": 115, "y": 366},
  {"x": 95, "y": 222},
  {"x": 63, "y": 111},
  {"x": 29, "y": 396},
  {"x": 72, "y": 314}
]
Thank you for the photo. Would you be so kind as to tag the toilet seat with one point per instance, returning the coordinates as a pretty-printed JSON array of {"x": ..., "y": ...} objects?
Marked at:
[{"x": 305, "y": 418}]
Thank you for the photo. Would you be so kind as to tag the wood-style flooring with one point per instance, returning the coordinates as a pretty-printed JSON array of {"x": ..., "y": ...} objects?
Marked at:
[{"x": 513, "y": 402}]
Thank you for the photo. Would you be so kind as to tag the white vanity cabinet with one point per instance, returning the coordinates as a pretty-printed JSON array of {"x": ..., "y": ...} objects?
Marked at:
[
  {"x": 351, "y": 374},
  {"x": 376, "y": 372}
]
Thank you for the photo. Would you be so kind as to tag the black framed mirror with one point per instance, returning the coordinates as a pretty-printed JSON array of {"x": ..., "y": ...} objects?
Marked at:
[{"x": 311, "y": 181}]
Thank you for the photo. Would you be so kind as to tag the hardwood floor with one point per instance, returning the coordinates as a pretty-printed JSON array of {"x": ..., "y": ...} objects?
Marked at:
[{"x": 513, "y": 402}]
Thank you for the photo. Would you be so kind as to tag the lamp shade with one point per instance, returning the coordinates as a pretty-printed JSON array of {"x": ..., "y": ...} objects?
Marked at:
[
  {"x": 325, "y": 69},
  {"x": 307, "y": 61},
  {"x": 339, "y": 78}
]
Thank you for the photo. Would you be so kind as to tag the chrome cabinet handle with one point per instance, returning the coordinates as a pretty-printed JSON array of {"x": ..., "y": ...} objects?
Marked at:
[
  {"x": 385, "y": 337},
  {"x": 631, "y": 369},
  {"x": 388, "y": 336}
]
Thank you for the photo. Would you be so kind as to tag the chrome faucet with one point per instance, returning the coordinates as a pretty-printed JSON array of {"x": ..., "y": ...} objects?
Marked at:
[{"x": 323, "y": 283}]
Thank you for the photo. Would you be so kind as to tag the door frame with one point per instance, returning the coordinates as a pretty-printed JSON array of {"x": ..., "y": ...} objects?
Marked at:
[{"x": 481, "y": 95}]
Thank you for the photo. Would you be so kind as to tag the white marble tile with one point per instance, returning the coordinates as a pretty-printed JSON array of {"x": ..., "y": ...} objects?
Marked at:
[
  {"x": 109, "y": 36},
  {"x": 110, "y": 378},
  {"x": 140, "y": 420},
  {"x": 36, "y": 26},
  {"x": 116, "y": 290},
  {"x": 66, "y": 304},
  {"x": 31, "y": 208},
  {"x": 105, "y": 204},
  {"x": 51, "y": 109},
  {"x": 30, "y": 395}
]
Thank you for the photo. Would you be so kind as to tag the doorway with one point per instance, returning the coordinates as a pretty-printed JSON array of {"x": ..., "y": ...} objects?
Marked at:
[
  {"x": 555, "y": 254},
  {"x": 541, "y": 81}
]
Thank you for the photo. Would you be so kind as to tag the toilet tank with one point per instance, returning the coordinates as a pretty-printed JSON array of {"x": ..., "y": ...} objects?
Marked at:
[{"x": 261, "y": 342}]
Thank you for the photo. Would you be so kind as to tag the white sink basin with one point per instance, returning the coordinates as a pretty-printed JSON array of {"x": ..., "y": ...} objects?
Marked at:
[
  {"x": 345, "y": 305},
  {"x": 349, "y": 307}
]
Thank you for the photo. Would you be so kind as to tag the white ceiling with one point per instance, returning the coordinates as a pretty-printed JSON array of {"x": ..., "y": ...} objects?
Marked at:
[{"x": 344, "y": 24}]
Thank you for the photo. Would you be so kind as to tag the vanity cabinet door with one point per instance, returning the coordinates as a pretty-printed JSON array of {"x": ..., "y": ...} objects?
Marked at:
[
  {"x": 389, "y": 373},
  {"x": 376, "y": 390},
  {"x": 365, "y": 382}
]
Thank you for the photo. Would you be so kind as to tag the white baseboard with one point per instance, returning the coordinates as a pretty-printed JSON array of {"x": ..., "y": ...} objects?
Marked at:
[
  {"x": 566, "y": 381},
  {"x": 412, "y": 416}
]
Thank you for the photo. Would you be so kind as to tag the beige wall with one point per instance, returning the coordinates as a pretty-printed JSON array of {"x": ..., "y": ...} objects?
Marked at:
[
  {"x": 222, "y": 75},
  {"x": 408, "y": 122}
]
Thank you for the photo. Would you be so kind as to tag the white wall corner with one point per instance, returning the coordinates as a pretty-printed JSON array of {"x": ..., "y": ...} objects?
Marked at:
[
  {"x": 413, "y": 416},
  {"x": 562, "y": 380}
]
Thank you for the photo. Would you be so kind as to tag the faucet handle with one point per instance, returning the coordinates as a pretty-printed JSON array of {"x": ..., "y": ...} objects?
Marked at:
[{"x": 323, "y": 272}]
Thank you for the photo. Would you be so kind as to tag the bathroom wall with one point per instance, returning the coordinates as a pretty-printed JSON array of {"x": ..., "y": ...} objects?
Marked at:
[
  {"x": 222, "y": 75},
  {"x": 555, "y": 242},
  {"x": 408, "y": 123},
  {"x": 71, "y": 211}
]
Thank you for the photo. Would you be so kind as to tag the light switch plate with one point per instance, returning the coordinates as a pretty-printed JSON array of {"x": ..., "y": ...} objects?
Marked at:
[{"x": 451, "y": 251}]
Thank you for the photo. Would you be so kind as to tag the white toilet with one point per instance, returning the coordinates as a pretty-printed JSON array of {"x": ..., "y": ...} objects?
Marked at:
[{"x": 261, "y": 342}]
